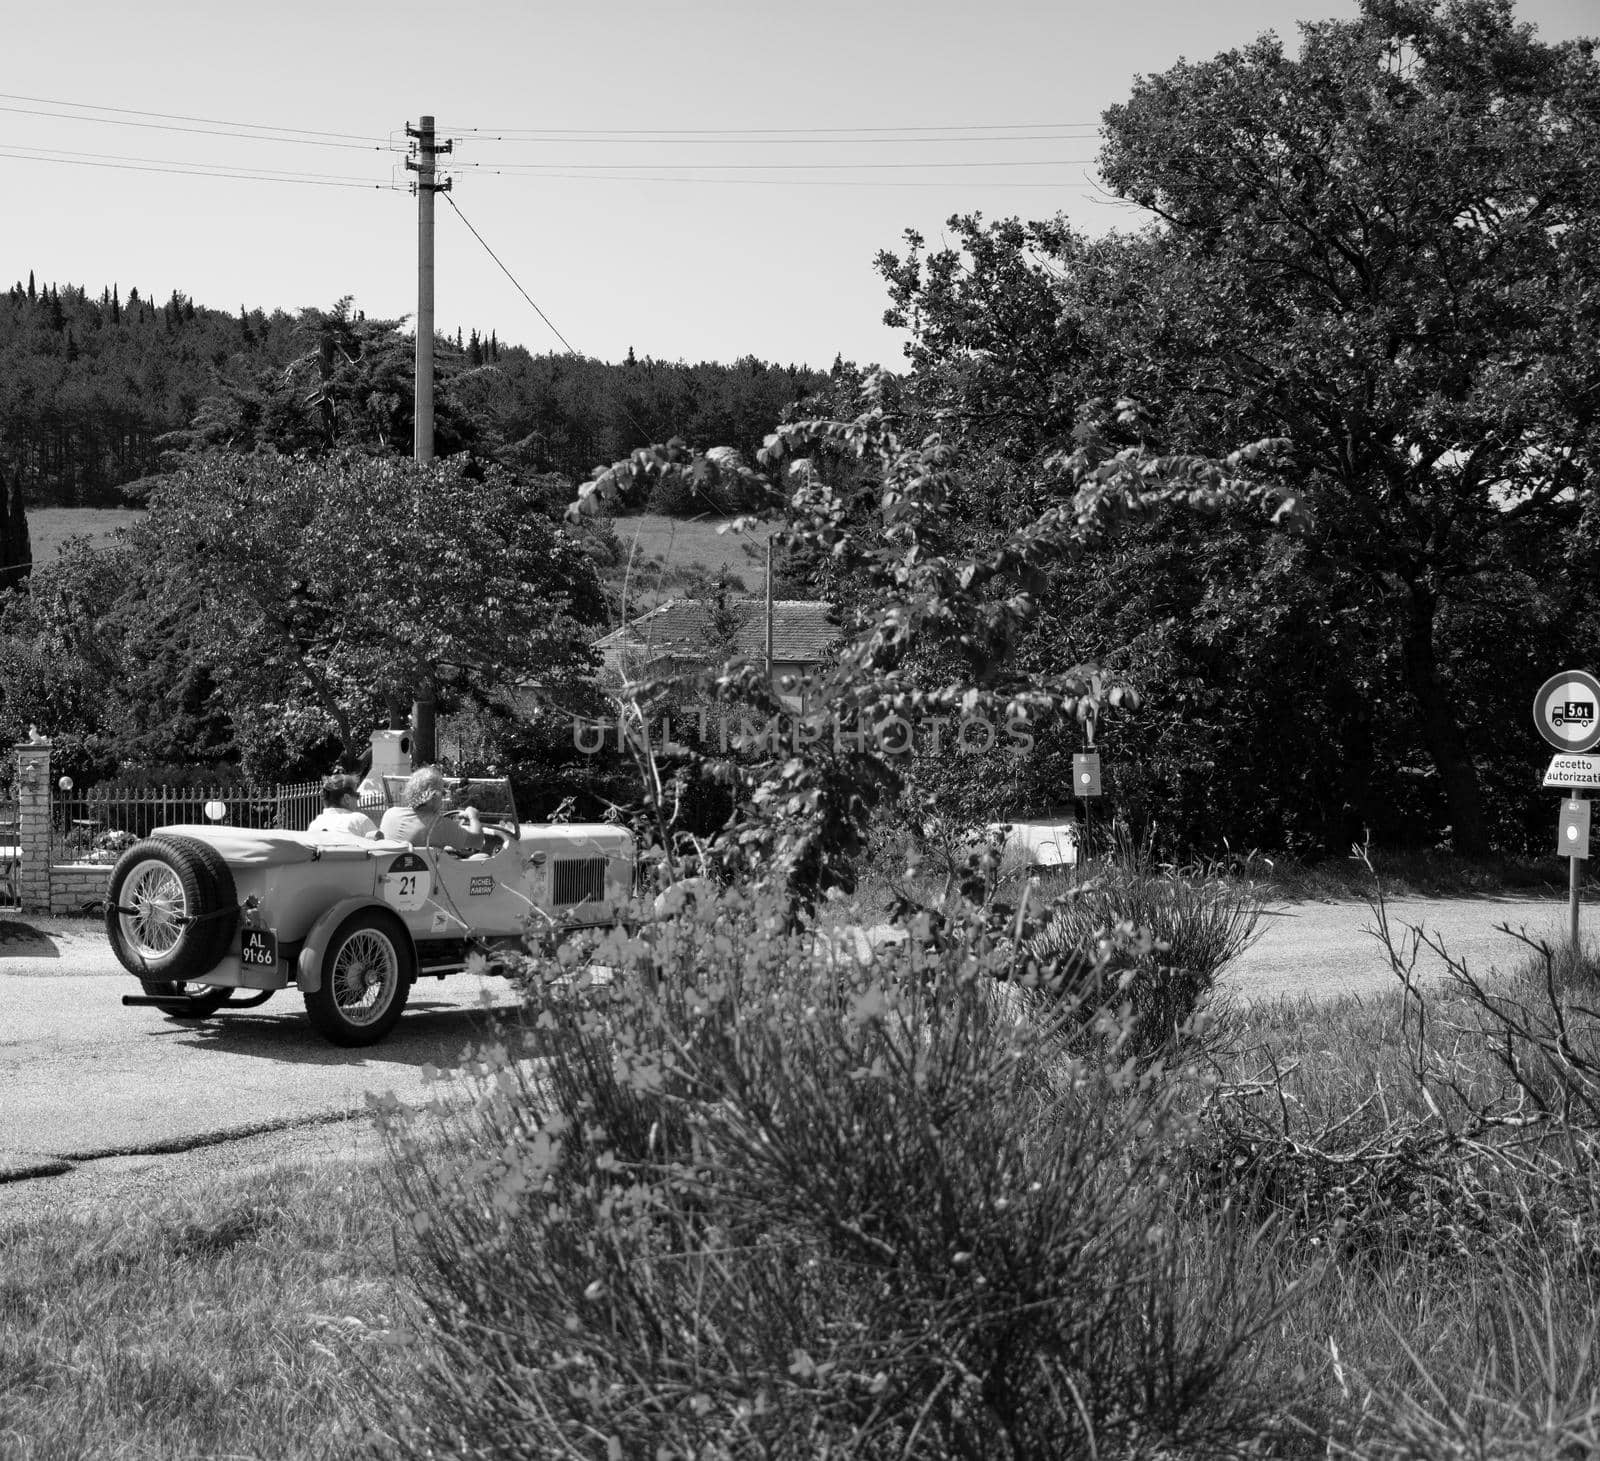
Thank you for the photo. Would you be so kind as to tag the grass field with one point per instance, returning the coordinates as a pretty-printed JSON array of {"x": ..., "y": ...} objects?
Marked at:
[
  {"x": 50, "y": 527},
  {"x": 229, "y": 1325},
  {"x": 658, "y": 544},
  {"x": 662, "y": 555}
]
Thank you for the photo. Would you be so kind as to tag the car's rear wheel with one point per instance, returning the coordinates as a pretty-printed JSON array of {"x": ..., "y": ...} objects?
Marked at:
[
  {"x": 367, "y": 972},
  {"x": 166, "y": 917}
]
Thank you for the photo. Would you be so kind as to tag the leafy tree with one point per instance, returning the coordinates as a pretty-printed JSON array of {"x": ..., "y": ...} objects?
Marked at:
[
  {"x": 351, "y": 385},
  {"x": 342, "y": 587},
  {"x": 102, "y": 652},
  {"x": 1386, "y": 251},
  {"x": 803, "y": 805},
  {"x": 1396, "y": 243}
]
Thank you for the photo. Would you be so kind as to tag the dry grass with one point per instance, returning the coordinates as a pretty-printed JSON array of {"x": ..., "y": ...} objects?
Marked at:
[
  {"x": 50, "y": 527},
  {"x": 662, "y": 555},
  {"x": 1437, "y": 1199},
  {"x": 1426, "y": 873}
]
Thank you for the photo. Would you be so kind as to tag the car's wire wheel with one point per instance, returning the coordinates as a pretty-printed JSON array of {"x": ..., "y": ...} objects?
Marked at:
[
  {"x": 170, "y": 915},
  {"x": 364, "y": 975},
  {"x": 154, "y": 909}
]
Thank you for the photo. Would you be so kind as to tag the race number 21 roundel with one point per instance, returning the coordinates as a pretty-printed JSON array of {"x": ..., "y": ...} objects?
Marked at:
[
  {"x": 407, "y": 883},
  {"x": 1567, "y": 711}
]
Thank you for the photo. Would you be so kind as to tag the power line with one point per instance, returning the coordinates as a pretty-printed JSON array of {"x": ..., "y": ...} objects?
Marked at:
[
  {"x": 524, "y": 133},
  {"x": 513, "y": 278},
  {"x": 180, "y": 117},
  {"x": 200, "y": 170},
  {"x": 201, "y": 131},
  {"x": 601, "y": 167},
  {"x": 633, "y": 420},
  {"x": 772, "y": 182},
  {"x": 808, "y": 141}
]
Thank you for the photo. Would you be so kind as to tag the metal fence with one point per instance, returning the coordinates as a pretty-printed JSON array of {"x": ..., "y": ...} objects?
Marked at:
[
  {"x": 95, "y": 825},
  {"x": 10, "y": 854}
]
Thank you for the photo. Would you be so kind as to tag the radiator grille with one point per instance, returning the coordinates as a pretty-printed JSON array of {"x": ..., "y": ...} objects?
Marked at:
[{"x": 578, "y": 880}]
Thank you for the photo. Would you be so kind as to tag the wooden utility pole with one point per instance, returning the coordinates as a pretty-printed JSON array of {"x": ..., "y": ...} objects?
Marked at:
[
  {"x": 769, "y": 611},
  {"x": 423, "y": 737},
  {"x": 426, "y": 186}
]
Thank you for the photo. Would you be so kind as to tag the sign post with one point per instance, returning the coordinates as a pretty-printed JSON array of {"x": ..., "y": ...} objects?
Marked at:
[
  {"x": 1086, "y": 783},
  {"x": 1565, "y": 711}
]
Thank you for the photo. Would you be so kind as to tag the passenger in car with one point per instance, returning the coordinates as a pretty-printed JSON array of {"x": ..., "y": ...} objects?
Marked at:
[
  {"x": 426, "y": 820},
  {"x": 341, "y": 810}
]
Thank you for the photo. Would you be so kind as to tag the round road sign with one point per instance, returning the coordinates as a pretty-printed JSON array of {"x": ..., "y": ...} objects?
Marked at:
[{"x": 1567, "y": 711}]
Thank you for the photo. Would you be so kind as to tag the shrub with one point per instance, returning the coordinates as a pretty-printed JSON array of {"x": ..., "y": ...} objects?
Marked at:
[
  {"x": 1195, "y": 921},
  {"x": 766, "y": 1203}
]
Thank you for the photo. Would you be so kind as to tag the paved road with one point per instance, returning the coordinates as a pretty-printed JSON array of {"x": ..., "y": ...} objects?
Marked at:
[
  {"x": 85, "y": 1082},
  {"x": 1326, "y": 950},
  {"x": 82, "y": 1077}
]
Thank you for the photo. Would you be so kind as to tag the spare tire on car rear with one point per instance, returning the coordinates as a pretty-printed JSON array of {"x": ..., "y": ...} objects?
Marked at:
[{"x": 171, "y": 909}]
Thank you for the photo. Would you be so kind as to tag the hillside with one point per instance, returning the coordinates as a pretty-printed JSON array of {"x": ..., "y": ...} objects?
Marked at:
[{"x": 94, "y": 389}]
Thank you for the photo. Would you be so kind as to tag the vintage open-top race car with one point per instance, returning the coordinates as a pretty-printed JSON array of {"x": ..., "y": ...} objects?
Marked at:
[{"x": 206, "y": 916}]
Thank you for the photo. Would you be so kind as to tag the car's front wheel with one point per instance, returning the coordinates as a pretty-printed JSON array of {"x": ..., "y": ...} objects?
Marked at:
[{"x": 367, "y": 973}]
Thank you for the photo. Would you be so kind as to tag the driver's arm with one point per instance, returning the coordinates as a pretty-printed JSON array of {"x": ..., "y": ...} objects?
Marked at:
[{"x": 470, "y": 820}]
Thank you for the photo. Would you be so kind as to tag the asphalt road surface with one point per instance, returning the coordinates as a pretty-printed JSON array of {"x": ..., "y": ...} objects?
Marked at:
[
  {"x": 82, "y": 1077},
  {"x": 88, "y": 1087}
]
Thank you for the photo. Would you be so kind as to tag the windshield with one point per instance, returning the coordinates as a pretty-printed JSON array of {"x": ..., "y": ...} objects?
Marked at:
[{"x": 490, "y": 795}]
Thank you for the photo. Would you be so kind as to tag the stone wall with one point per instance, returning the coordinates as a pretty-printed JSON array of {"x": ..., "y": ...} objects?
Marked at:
[
  {"x": 77, "y": 887},
  {"x": 43, "y": 886},
  {"x": 33, "y": 826}
]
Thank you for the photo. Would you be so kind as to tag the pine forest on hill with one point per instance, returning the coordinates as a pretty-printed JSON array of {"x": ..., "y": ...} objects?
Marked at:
[{"x": 96, "y": 390}]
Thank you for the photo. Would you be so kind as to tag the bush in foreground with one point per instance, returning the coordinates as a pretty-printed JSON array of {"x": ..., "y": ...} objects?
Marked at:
[{"x": 769, "y": 1204}]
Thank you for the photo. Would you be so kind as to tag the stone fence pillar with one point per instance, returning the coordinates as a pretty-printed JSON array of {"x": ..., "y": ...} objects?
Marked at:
[{"x": 33, "y": 826}]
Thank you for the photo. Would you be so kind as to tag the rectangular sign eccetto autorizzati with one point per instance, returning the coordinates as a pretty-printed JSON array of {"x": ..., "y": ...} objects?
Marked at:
[{"x": 1573, "y": 771}]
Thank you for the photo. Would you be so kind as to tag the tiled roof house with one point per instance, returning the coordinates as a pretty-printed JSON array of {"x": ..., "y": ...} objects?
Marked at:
[{"x": 678, "y": 634}]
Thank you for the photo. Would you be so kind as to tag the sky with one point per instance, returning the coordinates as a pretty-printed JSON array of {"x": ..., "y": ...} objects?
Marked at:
[{"x": 700, "y": 180}]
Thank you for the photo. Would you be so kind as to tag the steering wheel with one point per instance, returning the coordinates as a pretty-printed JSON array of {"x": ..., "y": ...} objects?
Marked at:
[{"x": 500, "y": 835}]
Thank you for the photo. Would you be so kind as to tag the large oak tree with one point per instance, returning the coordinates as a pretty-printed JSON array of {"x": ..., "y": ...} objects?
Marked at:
[{"x": 1386, "y": 250}]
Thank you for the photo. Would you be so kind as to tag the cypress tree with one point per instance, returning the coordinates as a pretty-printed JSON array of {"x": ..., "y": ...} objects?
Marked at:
[
  {"x": 15, "y": 552},
  {"x": 116, "y": 308},
  {"x": 32, "y": 295}
]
